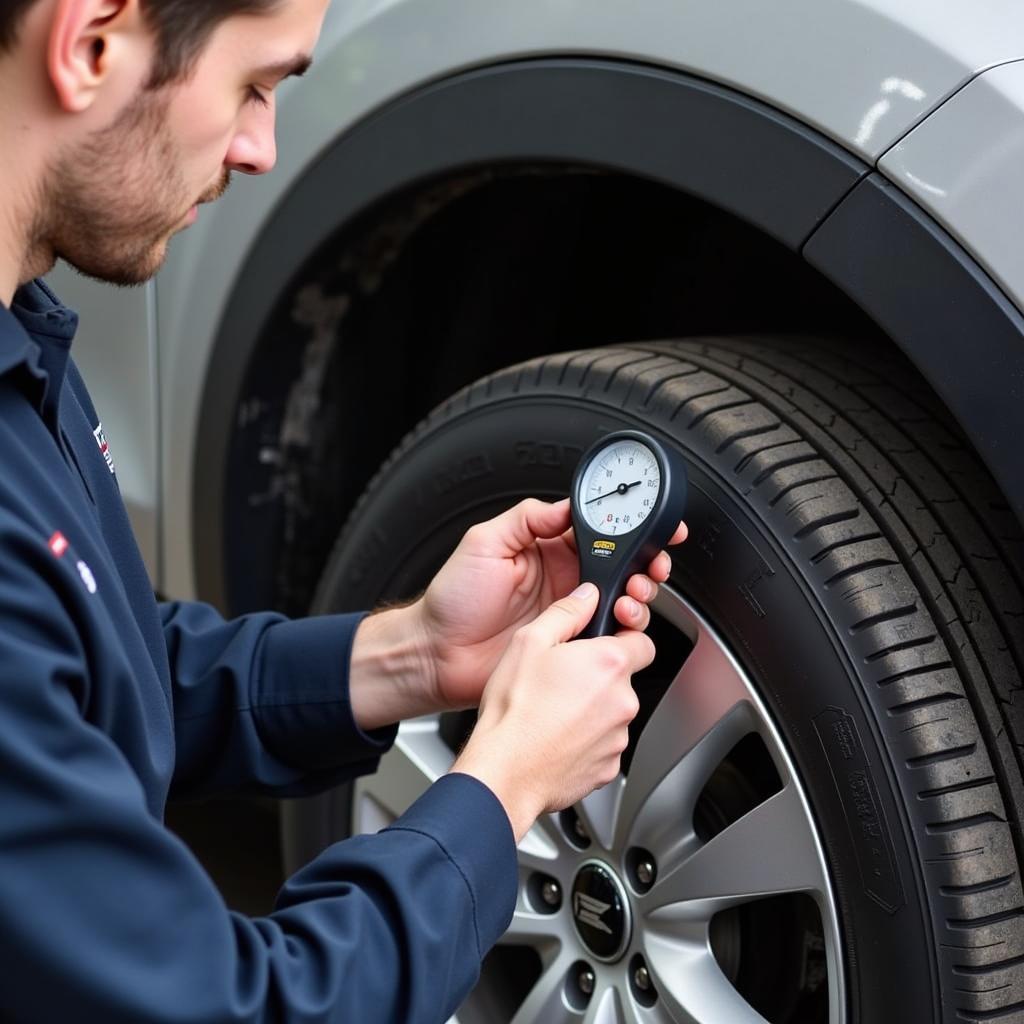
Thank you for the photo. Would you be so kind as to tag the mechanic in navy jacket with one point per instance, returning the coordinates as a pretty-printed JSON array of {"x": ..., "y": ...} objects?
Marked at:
[{"x": 116, "y": 116}]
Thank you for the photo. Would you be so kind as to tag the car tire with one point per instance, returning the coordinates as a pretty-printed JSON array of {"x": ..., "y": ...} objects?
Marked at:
[{"x": 857, "y": 562}]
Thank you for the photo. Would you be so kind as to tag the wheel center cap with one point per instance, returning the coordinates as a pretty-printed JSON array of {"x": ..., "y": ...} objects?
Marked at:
[{"x": 600, "y": 911}]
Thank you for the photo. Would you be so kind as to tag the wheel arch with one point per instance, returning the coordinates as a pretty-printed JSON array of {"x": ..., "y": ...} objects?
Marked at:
[{"x": 759, "y": 165}]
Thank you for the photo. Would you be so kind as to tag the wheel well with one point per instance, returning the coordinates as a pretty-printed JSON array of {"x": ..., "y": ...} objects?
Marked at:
[{"x": 449, "y": 281}]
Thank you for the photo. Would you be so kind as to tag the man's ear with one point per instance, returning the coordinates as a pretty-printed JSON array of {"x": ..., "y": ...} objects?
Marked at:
[{"x": 88, "y": 39}]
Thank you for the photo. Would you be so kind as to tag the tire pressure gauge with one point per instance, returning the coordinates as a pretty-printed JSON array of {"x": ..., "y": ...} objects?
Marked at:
[{"x": 628, "y": 495}]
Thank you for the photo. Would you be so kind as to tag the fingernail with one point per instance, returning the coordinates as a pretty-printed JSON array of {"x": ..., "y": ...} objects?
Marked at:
[{"x": 584, "y": 590}]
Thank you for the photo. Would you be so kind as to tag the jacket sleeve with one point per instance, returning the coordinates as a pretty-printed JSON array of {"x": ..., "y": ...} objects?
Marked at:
[
  {"x": 261, "y": 703},
  {"x": 106, "y": 916}
]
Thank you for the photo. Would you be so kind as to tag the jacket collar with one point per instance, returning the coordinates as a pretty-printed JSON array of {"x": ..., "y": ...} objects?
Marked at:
[{"x": 36, "y": 332}]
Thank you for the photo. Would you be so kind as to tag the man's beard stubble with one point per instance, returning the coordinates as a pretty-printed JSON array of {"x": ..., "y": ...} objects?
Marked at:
[{"x": 110, "y": 206}]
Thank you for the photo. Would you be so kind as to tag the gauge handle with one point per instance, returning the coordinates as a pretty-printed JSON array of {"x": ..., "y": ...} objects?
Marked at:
[
  {"x": 609, "y": 561},
  {"x": 610, "y": 580}
]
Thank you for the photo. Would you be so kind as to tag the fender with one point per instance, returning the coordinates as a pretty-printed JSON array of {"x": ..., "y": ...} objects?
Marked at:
[{"x": 709, "y": 141}]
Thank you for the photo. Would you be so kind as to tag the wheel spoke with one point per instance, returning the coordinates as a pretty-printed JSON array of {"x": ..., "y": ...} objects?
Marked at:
[
  {"x": 770, "y": 850},
  {"x": 528, "y": 928},
  {"x": 599, "y": 810},
  {"x": 704, "y": 713},
  {"x": 692, "y": 987},
  {"x": 419, "y": 758},
  {"x": 546, "y": 1002},
  {"x": 541, "y": 848},
  {"x": 604, "y": 1008}
]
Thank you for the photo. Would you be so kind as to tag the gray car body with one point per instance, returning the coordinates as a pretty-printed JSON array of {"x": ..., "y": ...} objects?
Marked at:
[{"x": 931, "y": 97}]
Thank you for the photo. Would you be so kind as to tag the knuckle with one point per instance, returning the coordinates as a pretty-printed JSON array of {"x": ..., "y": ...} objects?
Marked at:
[
  {"x": 609, "y": 772},
  {"x": 615, "y": 659},
  {"x": 474, "y": 533},
  {"x": 648, "y": 650},
  {"x": 525, "y": 636},
  {"x": 630, "y": 704}
]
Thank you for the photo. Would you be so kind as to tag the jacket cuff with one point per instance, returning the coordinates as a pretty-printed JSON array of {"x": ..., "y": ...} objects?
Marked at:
[
  {"x": 469, "y": 823},
  {"x": 301, "y": 698}
]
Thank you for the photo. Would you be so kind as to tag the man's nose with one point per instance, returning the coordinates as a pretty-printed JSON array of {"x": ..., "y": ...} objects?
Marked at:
[{"x": 253, "y": 150}]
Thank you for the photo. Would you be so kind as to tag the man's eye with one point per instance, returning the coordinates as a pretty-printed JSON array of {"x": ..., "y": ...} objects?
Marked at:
[{"x": 257, "y": 96}]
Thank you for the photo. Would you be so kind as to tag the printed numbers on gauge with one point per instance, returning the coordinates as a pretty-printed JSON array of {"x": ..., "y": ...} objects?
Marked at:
[{"x": 620, "y": 487}]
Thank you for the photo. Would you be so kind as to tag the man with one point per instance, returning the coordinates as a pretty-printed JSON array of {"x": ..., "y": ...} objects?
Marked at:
[{"x": 117, "y": 118}]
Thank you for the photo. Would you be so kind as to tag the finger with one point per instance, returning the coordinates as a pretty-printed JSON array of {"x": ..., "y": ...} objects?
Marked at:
[
  {"x": 632, "y": 614},
  {"x": 638, "y": 647},
  {"x": 513, "y": 531},
  {"x": 565, "y": 618},
  {"x": 682, "y": 532},
  {"x": 661, "y": 567},
  {"x": 642, "y": 588},
  {"x": 569, "y": 537}
]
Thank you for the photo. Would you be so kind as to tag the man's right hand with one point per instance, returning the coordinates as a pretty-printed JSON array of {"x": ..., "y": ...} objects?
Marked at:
[{"x": 554, "y": 715}]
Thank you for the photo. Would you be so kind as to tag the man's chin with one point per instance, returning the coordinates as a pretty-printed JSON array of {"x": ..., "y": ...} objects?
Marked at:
[{"x": 122, "y": 272}]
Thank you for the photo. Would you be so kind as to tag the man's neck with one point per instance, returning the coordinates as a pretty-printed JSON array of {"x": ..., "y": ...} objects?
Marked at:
[
  {"x": 22, "y": 169},
  {"x": 19, "y": 259},
  {"x": 11, "y": 246}
]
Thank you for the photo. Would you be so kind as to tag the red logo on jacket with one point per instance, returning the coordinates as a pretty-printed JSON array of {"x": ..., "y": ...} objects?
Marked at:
[{"x": 101, "y": 440}]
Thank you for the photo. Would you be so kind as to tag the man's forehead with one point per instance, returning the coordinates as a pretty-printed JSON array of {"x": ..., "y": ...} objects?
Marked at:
[{"x": 279, "y": 43}]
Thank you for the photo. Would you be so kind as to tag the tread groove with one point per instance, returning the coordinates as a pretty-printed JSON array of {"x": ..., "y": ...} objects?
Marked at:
[
  {"x": 977, "y": 887},
  {"x": 937, "y": 756},
  {"x": 853, "y": 570},
  {"x": 845, "y": 542},
  {"x": 906, "y": 645},
  {"x": 799, "y": 483},
  {"x": 829, "y": 520},
  {"x": 745, "y": 461},
  {"x": 886, "y": 616},
  {"x": 925, "y": 702},
  {"x": 923, "y": 670},
  {"x": 985, "y": 818},
  {"x": 742, "y": 435},
  {"x": 701, "y": 416}
]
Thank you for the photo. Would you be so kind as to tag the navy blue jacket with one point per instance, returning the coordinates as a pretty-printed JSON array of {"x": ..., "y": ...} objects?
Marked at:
[{"x": 110, "y": 703}]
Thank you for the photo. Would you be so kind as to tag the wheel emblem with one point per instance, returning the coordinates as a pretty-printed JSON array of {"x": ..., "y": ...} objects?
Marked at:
[{"x": 600, "y": 911}]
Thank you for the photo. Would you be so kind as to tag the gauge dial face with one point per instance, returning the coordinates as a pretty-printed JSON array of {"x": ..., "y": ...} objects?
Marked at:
[{"x": 620, "y": 487}]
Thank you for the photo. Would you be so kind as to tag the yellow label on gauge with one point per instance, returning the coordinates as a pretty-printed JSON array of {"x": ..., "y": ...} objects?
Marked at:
[{"x": 603, "y": 548}]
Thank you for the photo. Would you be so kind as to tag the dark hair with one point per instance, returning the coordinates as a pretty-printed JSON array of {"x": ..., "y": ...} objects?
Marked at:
[{"x": 181, "y": 27}]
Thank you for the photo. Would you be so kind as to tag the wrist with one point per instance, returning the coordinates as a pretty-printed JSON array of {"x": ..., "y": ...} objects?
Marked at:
[
  {"x": 391, "y": 675},
  {"x": 522, "y": 807}
]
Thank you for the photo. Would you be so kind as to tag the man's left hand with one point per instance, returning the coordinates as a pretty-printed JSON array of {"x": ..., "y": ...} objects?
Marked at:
[{"x": 503, "y": 574}]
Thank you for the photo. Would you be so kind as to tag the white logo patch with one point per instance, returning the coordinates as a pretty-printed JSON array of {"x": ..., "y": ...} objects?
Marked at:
[
  {"x": 101, "y": 440},
  {"x": 87, "y": 577},
  {"x": 590, "y": 910}
]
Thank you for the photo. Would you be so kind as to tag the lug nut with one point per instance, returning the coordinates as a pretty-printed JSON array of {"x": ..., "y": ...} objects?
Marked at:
[
  {"x": 586, "y": 981},
  {"x": 642, "y": 869},
  {"x": 641, "y": 983},
  {"x": 574, "y": 829},
  {"x": 551, "y": 893}
]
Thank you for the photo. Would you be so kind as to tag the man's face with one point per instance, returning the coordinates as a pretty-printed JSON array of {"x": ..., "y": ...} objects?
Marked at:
[{"x": 112, "y": 201}]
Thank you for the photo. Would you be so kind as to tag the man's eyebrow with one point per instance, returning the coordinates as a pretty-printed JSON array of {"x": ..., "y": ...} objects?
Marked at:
[{"x": 295, "y": 67}]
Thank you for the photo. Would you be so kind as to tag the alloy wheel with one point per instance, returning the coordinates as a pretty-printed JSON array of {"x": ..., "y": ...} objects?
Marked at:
[{"x": 629, "y": 900}]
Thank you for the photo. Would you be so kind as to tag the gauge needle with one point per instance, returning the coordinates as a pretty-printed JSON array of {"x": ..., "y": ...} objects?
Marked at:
[{"x": 621, "y": 489}]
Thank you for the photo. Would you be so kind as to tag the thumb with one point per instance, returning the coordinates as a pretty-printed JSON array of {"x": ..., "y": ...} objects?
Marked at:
[{"x": 562, "y": 620}]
